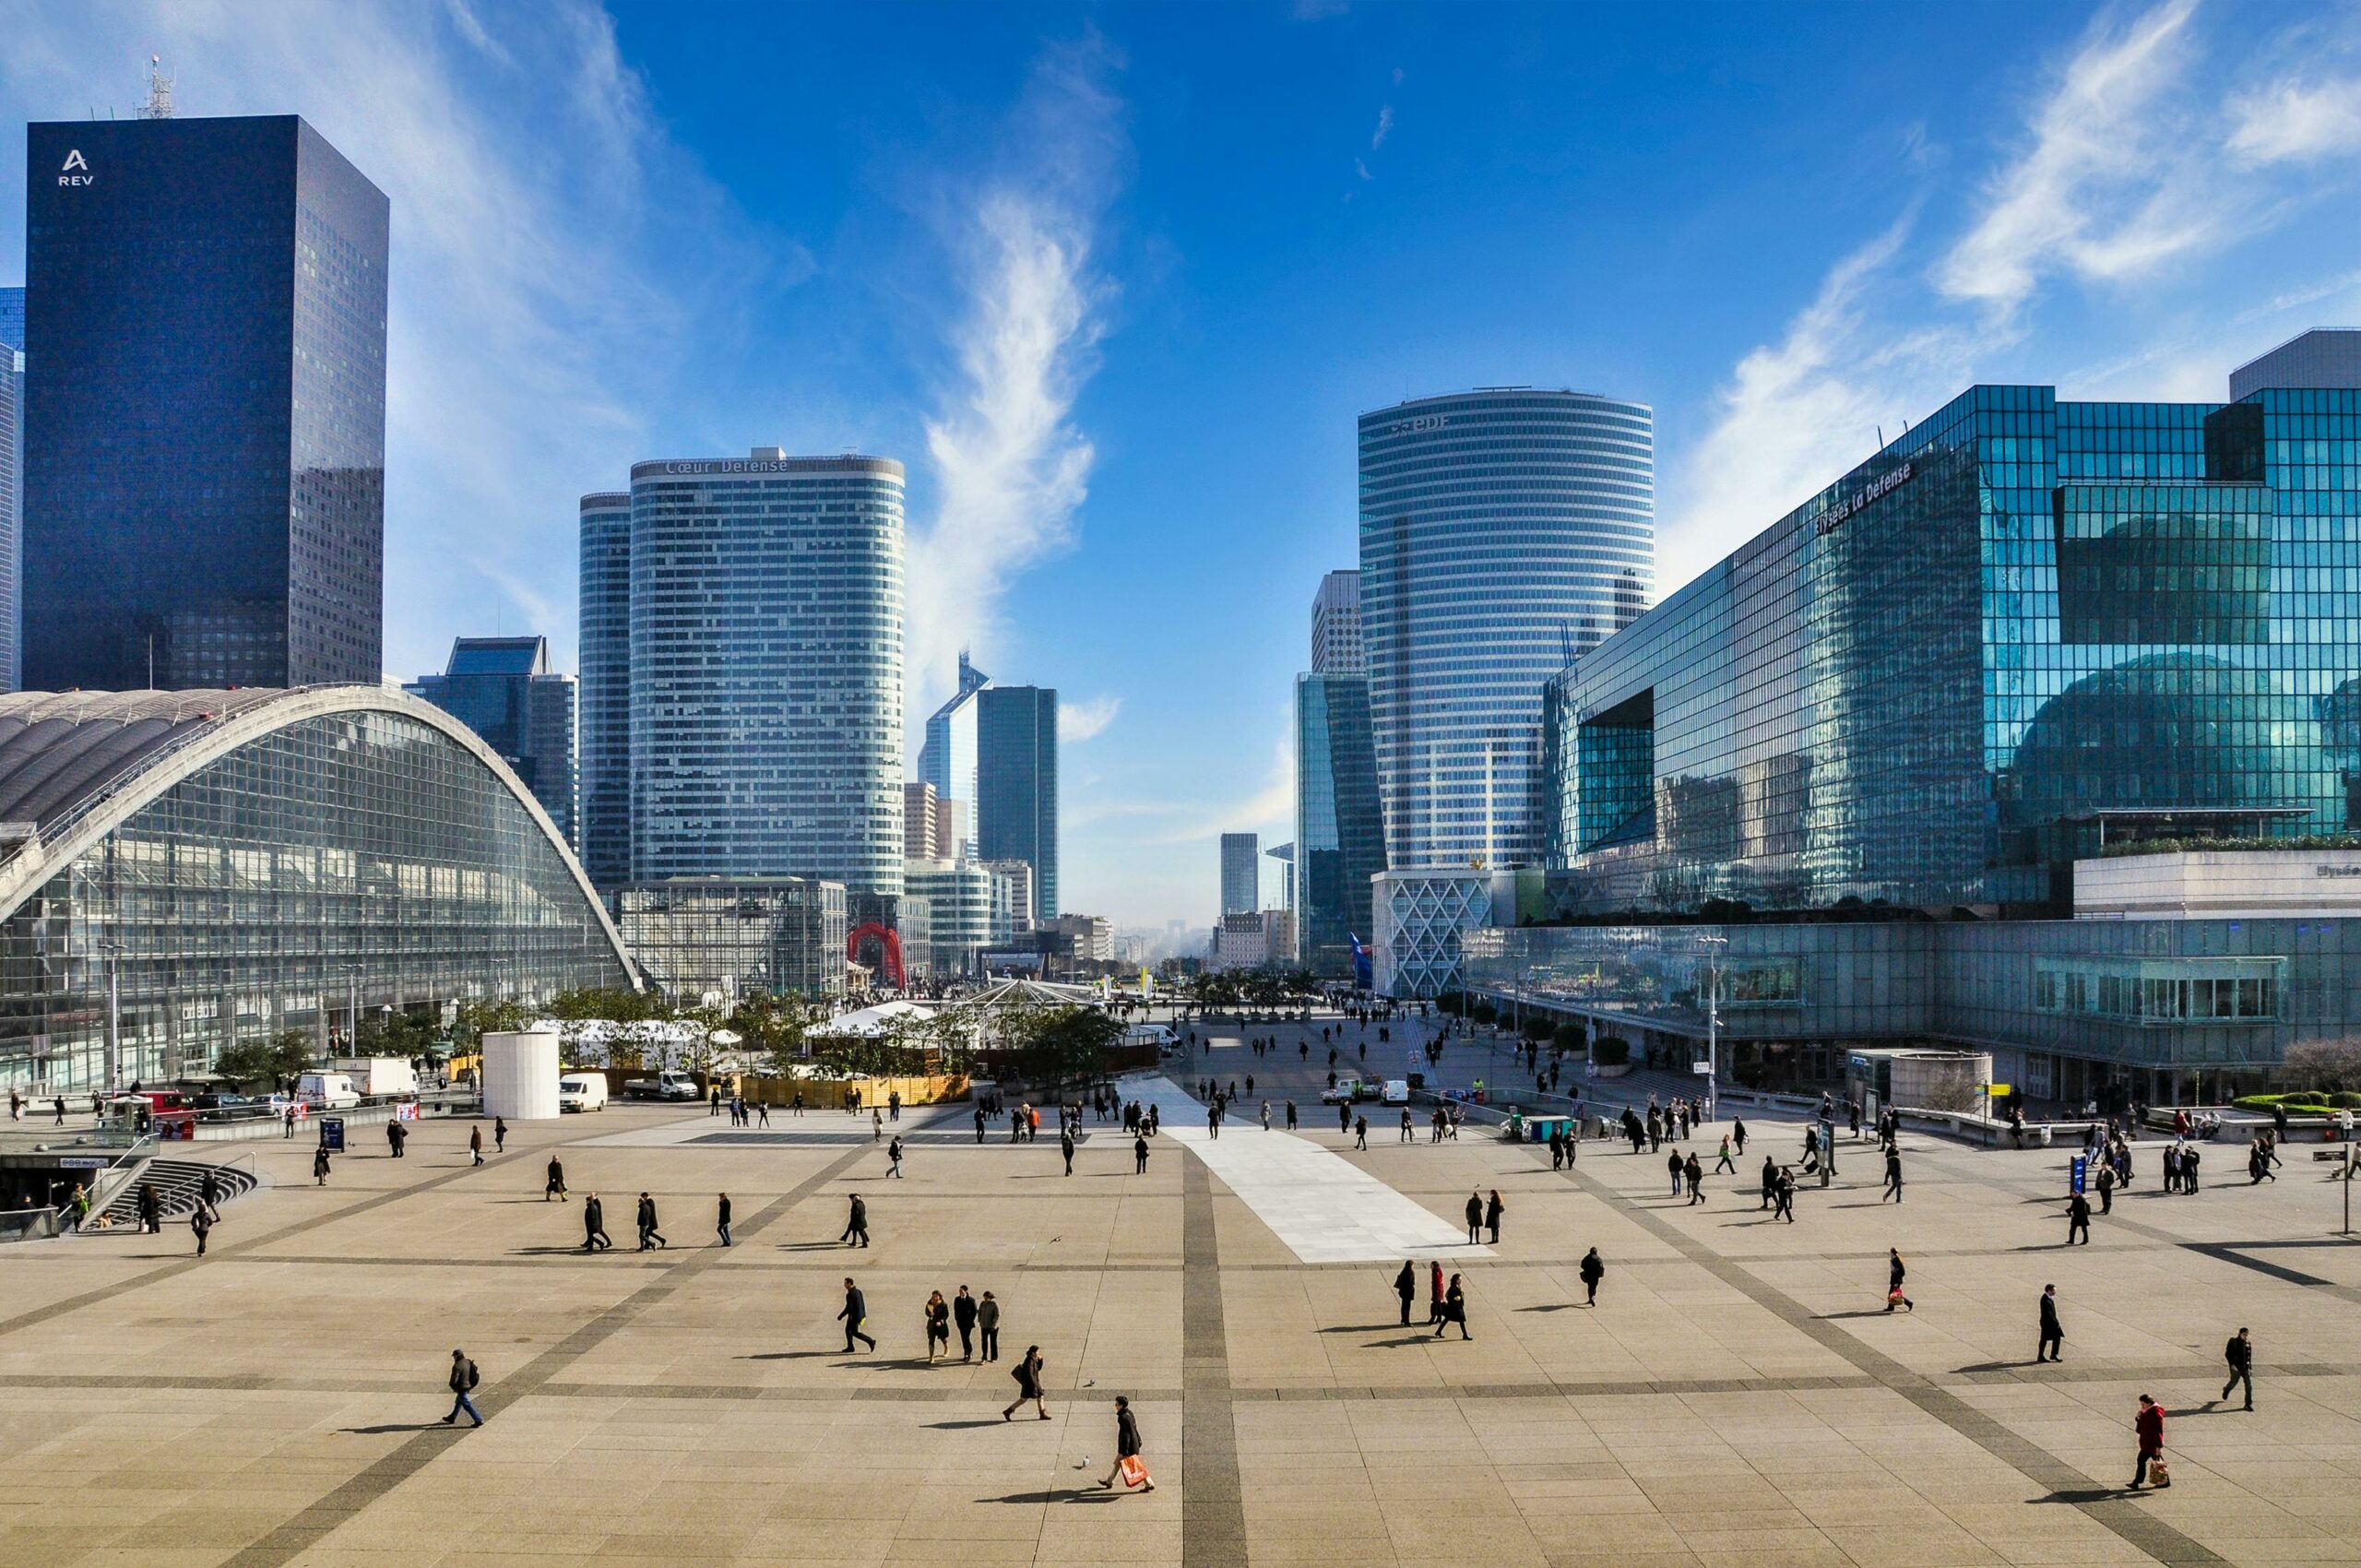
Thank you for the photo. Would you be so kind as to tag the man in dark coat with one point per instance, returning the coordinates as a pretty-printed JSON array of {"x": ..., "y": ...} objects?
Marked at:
[
  {"x": 856, "y": 1310},
  {"x": 2053, "y": 1334}
]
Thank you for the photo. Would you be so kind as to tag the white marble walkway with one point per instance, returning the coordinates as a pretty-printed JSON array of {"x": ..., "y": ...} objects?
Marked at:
[{"x": 1324, "y": 1207}]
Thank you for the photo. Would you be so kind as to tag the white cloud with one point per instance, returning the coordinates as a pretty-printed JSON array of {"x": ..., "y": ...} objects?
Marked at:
[
  {"x": 2103, "y": 186},
  {"x": 1012, "y": 471},
  {"x": 1079, "y": 722},
  {"x": 1384, "y": 127},
  {"x": 1362, "y": 170},
  {"x": 2297, "y": 121}
]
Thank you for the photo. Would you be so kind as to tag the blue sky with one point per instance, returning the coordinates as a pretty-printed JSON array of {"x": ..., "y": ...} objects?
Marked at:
[{"x": 1114, "y": 280}]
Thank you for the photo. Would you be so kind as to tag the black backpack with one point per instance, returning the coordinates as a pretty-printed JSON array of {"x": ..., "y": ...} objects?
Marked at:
[{"x": 474, "y": 1377}]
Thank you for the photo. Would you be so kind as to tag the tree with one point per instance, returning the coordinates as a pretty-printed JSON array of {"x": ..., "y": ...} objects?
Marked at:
[
  {"x": 1567, "y": 1037},
  {"x": 393, "y": 1034},
  {"x": 274, "y": 1061},
  {"x": 2328, "y": 1065}
]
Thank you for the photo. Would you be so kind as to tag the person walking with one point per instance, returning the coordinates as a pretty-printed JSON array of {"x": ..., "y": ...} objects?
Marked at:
[
  {"x": 988, "y": 1326},
  {"x": 1360, "y": 1132},
  {"x": 938, "y": 1327},
  {"x": 2078, "y": 1219},
  {"x": 1676, "y": 1165},
  {"x": 1139, "y": 1155},
  {"x": 1406, "y": 1287},
  {"x": 2239, "y": 1355},
  {"x": 1892, "y": 1175},
  {"x": 2053, "y": 1335},
  {"x": 320, "y": 1166},
  {"x": 1782, "y": 1198},
  {"x": 1696, "y": 1172},
  {"x": 1475, "y": 1218},
  {"x": 464, "y": 1378},
  {"x": 1723, "y": 1162},
  {"x": 286, "y": 1121},
  {"x": 1737, "y": 1136},
  {"x": 856, "y": 1222},
  {"x": 1592, "y": 1270},
  {"x": 855, "y": 1313},
  {"x": 396, "y": 1135},
  {"x": 894, "y": 1157},
  {"x": 1128, "y": 1463},
  {"x": 721, "y": 1218},
  {"x": 2149, "y": 1427},
  {"x": 1492, "y": 1209},
  {"x": 1066, "y": 1147},
  {"x": 963, "y": 1314},
  {"x": 594, "y": 1224},
  {"x": 500, "y": 1135},
  {"x": 475, "y": 1147},
  {"x": 1770, "y": 1180},
  {"x": 1027, "y": 1373},
  {"x": 648, "y": 1234},
  {"x": 2106, "y": 1187},
  {"x": 1434, "y": 1292},
  {"x": 1454, "y": 1309},
  {"x": 200, "y": 1223},
  {"x": 1894, "y": 1271},
  {"x": 555, "y": 1186},
  {"x": 1409, "y": 1133}
]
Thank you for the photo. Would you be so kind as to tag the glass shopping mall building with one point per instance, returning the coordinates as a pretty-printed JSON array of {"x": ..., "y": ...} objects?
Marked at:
[{"x": 1873, "y": 744}]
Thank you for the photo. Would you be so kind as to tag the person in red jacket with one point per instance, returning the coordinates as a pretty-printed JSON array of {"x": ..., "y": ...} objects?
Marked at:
[{"x": 2150, "y": 1425}]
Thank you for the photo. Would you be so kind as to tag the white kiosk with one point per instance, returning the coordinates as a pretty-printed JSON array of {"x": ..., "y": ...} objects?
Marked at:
[{"x": 520, "y": 1076}]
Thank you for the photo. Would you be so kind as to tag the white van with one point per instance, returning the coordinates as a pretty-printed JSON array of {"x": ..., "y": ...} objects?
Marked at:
[
  {"x": 582, "y": 1091},
  {"x": 334, "y": 1090}
]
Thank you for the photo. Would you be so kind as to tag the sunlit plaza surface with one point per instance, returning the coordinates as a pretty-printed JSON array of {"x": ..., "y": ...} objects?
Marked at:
[{"x": 1738, "y": 1395}]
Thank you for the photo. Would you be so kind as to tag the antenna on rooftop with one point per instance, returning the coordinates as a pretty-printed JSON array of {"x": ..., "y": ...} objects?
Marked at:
[{"x": 160, "y": 91}]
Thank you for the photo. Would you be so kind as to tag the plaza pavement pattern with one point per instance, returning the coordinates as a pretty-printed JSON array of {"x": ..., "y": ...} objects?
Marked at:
[{"x": 1739, "y": 1397}]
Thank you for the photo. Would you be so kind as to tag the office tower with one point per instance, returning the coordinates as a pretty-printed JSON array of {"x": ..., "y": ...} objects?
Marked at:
[
  {"x": 1339, "y": 830},
  {"x": 923, "y": 828},
  {"x": 1285, "y": 855},
  {"x": 604, "y": 658},
  {"x": 948, "y": 753},
  {"x": 1499, "y": 530},
  {"x": 503, "y": 689},
  {"x": 12, "y": 474},
  {"x": 1336, "y": 626},
  {"x": 206, "y": 431},
  {"x": 1016, "y": 783},
  {"x": 2325, "y": 357},
  {"x": 766, "y": 669},
  {"x": 1013, "y": 896},
  {"x": 1242, "y": 874}
]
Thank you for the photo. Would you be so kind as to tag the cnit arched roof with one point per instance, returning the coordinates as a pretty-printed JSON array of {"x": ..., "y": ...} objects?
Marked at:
[{"x": 74, "y": 766}]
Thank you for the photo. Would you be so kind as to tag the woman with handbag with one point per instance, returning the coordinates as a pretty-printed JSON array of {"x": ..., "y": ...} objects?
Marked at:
[{"x": 1128, "y": 1463}]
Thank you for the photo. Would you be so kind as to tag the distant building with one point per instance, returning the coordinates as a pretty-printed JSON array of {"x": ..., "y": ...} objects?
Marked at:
[
  {"x": 1092, "y": 937},
  {"x": 947, "y": 755},
  {"x": 736, "y": 936},
  {"x": 204, "y": 436},
  {"x": 1501, "y": 531},
  {"x": 926, "y": 825},
  {"x": 959, "y": 899},
  {"x": 1016, "y": 782},
  {"x": 1013, "y": 910},
  {"x": 1242, "y": 874},
  {"x": 1339, "y": 830},
  {"x": 1336, "y": 626},
  {"x": 765, "y": 667},
  {"x": 1240, "y": 941},
  {"x": 2326, "y": 357},
  {"x": 503, "y": 689},
  {"x": 604, "y": 766}
]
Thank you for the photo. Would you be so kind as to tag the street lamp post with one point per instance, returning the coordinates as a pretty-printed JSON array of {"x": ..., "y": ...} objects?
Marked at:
[
  {"x": 1712, "y": 1025},
  {"x": 113, "y": 951}
]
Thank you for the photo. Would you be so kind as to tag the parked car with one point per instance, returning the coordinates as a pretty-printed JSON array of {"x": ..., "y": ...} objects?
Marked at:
[{"x": 582, "y": 1091}]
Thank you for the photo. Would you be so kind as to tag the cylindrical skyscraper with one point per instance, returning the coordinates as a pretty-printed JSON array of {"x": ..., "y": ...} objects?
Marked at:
[
  {"x": 602, "y": 839},
  {"x": 766, "y": 669},
  {"x": 1502, "y": 530}
]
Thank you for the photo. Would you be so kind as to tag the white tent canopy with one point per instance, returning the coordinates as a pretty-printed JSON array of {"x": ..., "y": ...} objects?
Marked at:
[{"x": 872, "y": 1021}]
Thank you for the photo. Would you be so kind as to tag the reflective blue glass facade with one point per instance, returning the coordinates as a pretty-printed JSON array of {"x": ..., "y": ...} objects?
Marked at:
[
  {"x": 2024, "y": 629},
  {"x": 1339, "y": 830},
  {"x": 205, "y": 448},
  {"x": 1017, "y": 784},
  {"x": 12, "y": 472},
  {"x": 1500, "y": 532},
  {"x": 603, "y": 753},
  {"x": 766, "y": 669},
  {"x": 503, "y": 689}
]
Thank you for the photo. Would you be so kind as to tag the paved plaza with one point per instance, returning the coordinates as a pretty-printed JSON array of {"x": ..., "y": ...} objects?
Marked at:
[{"x": 1739, "y": 1395}]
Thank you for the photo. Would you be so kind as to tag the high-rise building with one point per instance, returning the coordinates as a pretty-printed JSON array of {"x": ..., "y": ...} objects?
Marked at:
[
  {"x": 1242, "y": 874},
  {"x": 1339, "y": 830},
  {"x": 1336, "y": 626},
  {"x": 926, "y": 824},
  {"x": 604, "y": 622},
  {"x": 948, "y": 753},
  {"x": 765, "y": 670},
  {"x": 503, "y": 689},
  {"x": 12, "y": 474},
  {"x": 957, "y": 900},
  {"x": 204, "y": 436},
  {"x": 1500, "y": 529},
  {"x": 1016, "y": 783},
  {"x": 1014, "y": 910}
]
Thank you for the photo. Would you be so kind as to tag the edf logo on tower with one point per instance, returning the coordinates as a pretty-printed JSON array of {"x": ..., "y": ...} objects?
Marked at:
[{"x": 74, "y": 161}]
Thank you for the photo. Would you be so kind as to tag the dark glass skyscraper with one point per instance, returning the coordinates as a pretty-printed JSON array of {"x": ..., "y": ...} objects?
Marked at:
[
  {"x": 205, "y": 439},
  {"x": 503, "y": 689},
  {"x": 604, "y": 786},
  {"x": 1339, "y": 829},
  {"x": 12, "y": 474},
  {"x": 1016, "y": 783}
]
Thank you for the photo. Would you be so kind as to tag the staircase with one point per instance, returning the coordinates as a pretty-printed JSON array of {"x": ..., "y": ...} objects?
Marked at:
[{"x": 177, "y": 1182}]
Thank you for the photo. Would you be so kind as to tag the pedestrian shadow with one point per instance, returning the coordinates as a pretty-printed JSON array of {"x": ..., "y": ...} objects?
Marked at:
[
  {"x": 2081, "y": 1496},
  {"x": 577, "y": 1250},
  {"x": 1865, "y": 1311},
  {"x": 396, "y": 1426},
  {"x": 791, "y": 1355},
  {"x": 1078, "y": 1495},
  {"x": 1988, "y": 1366},
  {"x": 815, "y": 1246},
  {"x": 961, "y": 1426},
  {"x": 1398, "y": 1344},
  {"x": 1362, "y": 1328},
  {"x": 1551, "y": 1307}
]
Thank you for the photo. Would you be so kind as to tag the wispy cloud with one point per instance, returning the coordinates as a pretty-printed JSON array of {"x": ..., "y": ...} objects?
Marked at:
[
  {"x": 1011, "y": 468},
  {"x": 1362, "y": 170},
  {"x": 2291, "y": 121},
  {"x": 1079, "y": 721},
  {"x": 1384, "y": 127},
  {"x": 2101, "y": 188}
]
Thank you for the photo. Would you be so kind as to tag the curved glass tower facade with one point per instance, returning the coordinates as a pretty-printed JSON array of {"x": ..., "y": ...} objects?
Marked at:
[
  {"x": 766, "y": 669},
  {"x": 1502, "y": 532},
  {"x": 604, "y": 840}
]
